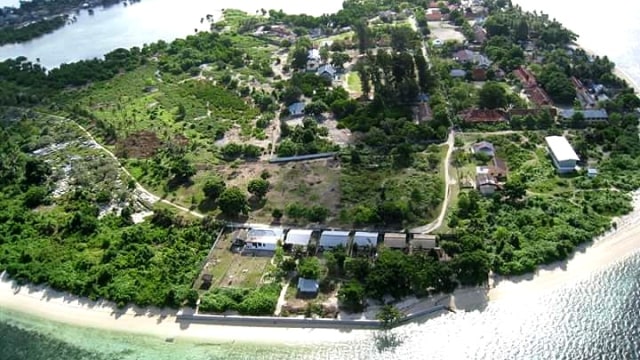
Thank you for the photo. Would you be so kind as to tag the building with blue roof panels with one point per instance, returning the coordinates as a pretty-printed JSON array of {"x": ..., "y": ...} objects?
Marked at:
[
  {"x": 331, "y": 239},
  {"x": 296, "y": 109},
  {"x": 362, "y": 238},
  {"x": 590, "y": 115}
]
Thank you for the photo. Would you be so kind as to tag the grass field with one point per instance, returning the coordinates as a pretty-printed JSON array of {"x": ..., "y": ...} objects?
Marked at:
[{"x": 230, "y": 269}]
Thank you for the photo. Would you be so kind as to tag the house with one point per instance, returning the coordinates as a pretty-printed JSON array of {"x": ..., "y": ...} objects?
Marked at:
[
  {"x": 486, "y": 184},
  {"x": 458, "y": 73},
  {"x": 526, "y": 77},
  {"x": 586, "y": 99},
  {"x": 479, "y": 74},
  {"x": 589, "y": 115},
  {"x": 591, "y": 172},
  {"x": 308, "y": 287},
  {"x": 327, "y": 71},
  {"x": 434, "y": 14},
  {"x": 422, "y": 242},
  {"x": 464, "y": 56},
  {"x": 483, "y": 147},
  {"x": 313, "y": 60},
  {"x": 362, "y": 238},
  {"x": 296, "y": 109},
  {"x": 538, "y": 96},
  {"x": 297, "y": 237},
  {"x": 498, "y": 168},
  {"x": 331, "y": 239},
  {"x": 482, "y": 116},
  {"x": 395, "y": 241},
  {"x": 563, "y": 156},
  {"x": 522, "y": 112},
  {"x": 263, "y": 239},
  {"x": 479, "y": 35}
]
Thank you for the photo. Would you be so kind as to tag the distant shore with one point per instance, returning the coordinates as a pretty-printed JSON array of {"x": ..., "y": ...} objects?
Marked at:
[{"x": 43, "y": 302}]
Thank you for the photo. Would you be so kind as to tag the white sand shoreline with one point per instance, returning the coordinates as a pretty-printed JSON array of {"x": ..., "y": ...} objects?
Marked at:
[{"x": 42, "y": 302}]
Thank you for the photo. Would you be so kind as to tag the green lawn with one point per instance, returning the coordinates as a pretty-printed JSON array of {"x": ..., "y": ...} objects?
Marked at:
[{"x": 353, "y": 82}]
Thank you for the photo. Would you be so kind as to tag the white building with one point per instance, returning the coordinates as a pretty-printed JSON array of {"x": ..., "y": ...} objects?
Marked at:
[
  {"x": 331, "y": 239},
  {"x": 362, "y": 238},
  {"x": 297, "y": 237},
  {"x": 263, "y": 239},
  {"x": 563, "y": 156}
]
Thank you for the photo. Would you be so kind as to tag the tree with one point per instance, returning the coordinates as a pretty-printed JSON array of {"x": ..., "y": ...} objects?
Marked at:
[
  {"x": 363, "y": 34},
  {"x": 300, "y": 56},
  {"x": 233, "y": 201},
  {"x": 324, "y": 54},
  {"x": 351, "y": 296},
  {"x": 213, "y": 188},
  {"x": 389, "y": 316},
  {"x": 316, "y": 108},
  {"x": 403, "y": 38},
  {"x": 338, "y": 59},
  {"x": 181, "y": 168},
  {"x": 258, "y": 187},
  {"x": 492, "y": 96},
  {"x": 515, "y": 188},
  {"x": 471, "y": 268},
  {"x": 277, "y": 214},
  {"x": 309, "y": 268}
]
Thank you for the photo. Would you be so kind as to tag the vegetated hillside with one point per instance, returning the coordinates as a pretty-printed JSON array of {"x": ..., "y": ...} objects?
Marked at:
[{"x": 57, "y": 227}]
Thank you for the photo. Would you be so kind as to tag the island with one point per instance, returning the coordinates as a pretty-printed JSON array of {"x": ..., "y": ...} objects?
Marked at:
[{"x": 302, "y": 167}]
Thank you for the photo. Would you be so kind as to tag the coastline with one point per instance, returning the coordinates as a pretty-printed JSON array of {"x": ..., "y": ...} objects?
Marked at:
[
  {"x": 42, "y": 302},
  {"x": 617, "y": 70}
]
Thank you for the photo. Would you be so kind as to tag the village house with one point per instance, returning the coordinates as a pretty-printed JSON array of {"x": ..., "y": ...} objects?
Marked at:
[
  {"x": 479, "y": 35},
  {"x": 313, "y": 60},
  {"x": 263, "y": 239},
  {"x": 327, "y": 71},
  {"x": 479, "y": 74},
  {"x": 582, "y": 93},
  {"x": 482, "y": 116},
  {"x": 483, "y": 147},
  {"x": 486, "y": 184},
  {"x": 332, "y": 239},
  {"x": 434, "y": 14},
  {"x": 296, "y": 109},
  {"x": 590, "y": 115},
  {"x": 422, "y": 242},
  {"x": 397, "y": 241},
  {"x": 298, "y": 237},
  {"x": 530, "y": 84},
  {"x": 361, "y": 239},
  {"x": 562, "y": 154},
  {"x": 458, "y": 73}
]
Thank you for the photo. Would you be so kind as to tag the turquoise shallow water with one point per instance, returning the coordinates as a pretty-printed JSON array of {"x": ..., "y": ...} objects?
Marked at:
[{"x": 594, "y": 319}]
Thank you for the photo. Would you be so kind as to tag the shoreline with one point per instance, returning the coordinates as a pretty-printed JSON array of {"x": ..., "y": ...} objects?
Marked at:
[
  {"x": 617, "y": 70},
  {"x": 42, "y": 302}
]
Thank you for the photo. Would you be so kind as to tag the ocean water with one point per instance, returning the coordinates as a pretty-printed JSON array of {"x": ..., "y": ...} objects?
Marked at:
[{"x": 596, "y": 318}]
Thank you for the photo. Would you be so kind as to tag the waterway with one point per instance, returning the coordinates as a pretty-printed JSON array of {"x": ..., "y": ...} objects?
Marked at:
[{"x": 147, "y": 21}]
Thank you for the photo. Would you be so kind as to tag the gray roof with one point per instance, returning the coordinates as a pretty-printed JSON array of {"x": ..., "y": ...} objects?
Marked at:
[
  {"x": 328, "y": 68},
  {"x": 423, "y": 241},
  {"x": 395, "y": 240},
  {"x": 458, "y": 73},
  {"x": 334, "y": 238},
  {"x": 308, "y": 285},
  {"x": 483, "y": 144},
  {"x": 296, "y": 108},
  {"x": 298, "y": 237},
  {"x": 362, "y": 238},
  {"x": 588, "y": 114}
]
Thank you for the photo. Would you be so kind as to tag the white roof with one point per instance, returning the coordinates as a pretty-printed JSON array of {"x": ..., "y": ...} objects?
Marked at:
[
  {"x": 561, "y": 148},
  {"x": 334, "y": 238},
  {"x": 298, "y": 237},
  {"x": 265, "y": 236},
  {"x": 362, "y": 238},
  {"x": 313, "y": 54}
]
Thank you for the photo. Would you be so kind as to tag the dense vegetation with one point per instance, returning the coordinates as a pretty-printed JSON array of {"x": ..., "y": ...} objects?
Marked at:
[
  {"x": 260, "y": 301},
  {"x": 63, "y": 242},
  {"x": 9, "y": 35}
]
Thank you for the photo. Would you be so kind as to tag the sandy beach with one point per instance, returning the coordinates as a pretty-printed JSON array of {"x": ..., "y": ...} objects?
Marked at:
[{"x": 52, "y": 305}]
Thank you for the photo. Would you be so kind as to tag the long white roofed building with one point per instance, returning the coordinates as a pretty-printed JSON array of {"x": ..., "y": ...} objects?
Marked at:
[{"x": 564, "y": 157}]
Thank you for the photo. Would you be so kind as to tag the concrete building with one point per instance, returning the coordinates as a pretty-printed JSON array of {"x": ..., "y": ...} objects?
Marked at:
[
  {"x": 562, "y": 154},
  {"x": 263, "y": 239},
  {"x": 331, "y": 239},
  {"x": 296, "y": 237},
  {"x": 362, "y": 238}
]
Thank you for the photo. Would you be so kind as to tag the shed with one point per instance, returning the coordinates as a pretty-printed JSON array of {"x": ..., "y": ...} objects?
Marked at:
[
  {"x": 458, "y": 73},
  {"x": 263, "y": 239},
  {"x": 362, "y": 238},
  {"x": 423, "y": 241},
  {"x": 591, "y": 172},
  {"x": 299, "y": 237},
  {"x": 308, "y": 286},
  {"x": 395, "y": 240},
  {"x": 331, "y": 239},
  {"x": 484, "y": 147}
]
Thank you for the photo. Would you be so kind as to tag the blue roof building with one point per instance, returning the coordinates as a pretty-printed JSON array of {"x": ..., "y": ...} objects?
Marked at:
[
  {"x": 308, "y": 286},
  {"x": 296, "y": 109}
]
